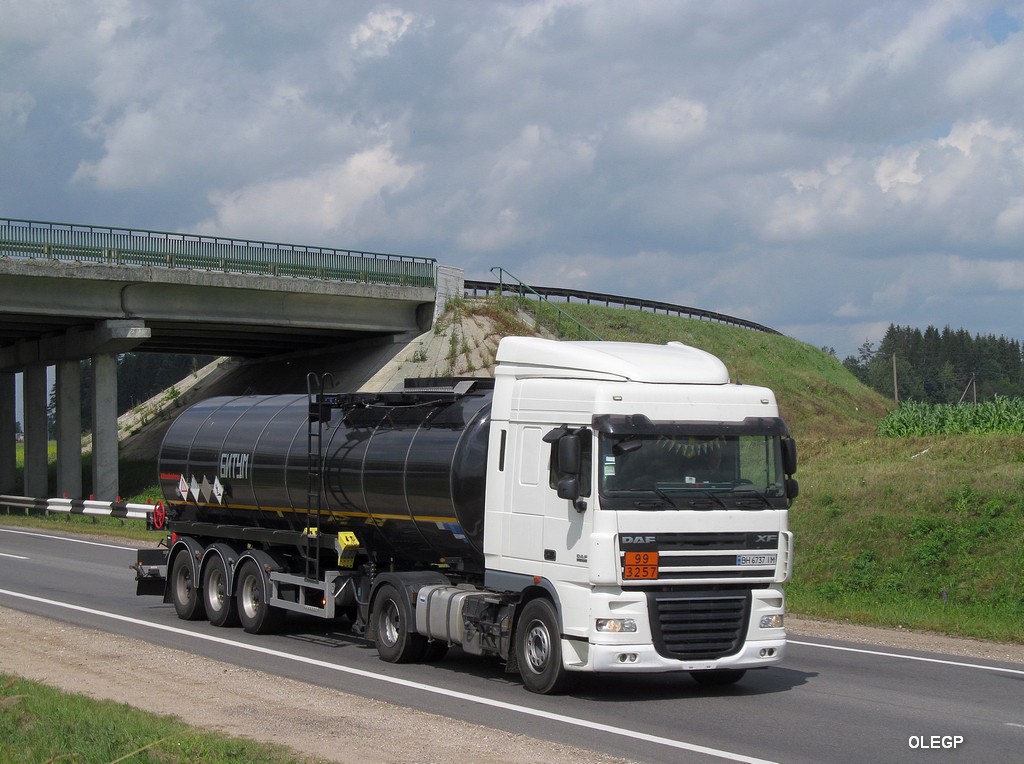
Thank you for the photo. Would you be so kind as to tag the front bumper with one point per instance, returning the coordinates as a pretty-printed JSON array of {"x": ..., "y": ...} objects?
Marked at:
[{"x": 643, "y": 658}]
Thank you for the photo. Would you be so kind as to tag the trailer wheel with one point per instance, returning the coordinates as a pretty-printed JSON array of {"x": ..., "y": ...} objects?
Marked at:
[
  {"x": 255, "y": 612},
  {"x": 718, "y": 677},
  {"x": 220, "y": 605},
  {"x": 539, "y": 648},
  {"x": 184, "y": 592},
  {"x": 395, "y": 643}
]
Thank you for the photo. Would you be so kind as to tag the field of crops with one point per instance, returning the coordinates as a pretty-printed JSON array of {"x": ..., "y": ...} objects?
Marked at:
[{"x": 1002, "y": 415}]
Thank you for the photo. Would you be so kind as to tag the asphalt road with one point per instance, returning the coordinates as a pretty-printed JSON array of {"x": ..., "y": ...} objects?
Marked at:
[{"x": 828, "y": 702}]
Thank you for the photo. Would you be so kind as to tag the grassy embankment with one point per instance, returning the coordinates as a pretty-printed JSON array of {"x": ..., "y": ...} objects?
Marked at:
[{"x": 104, "y": 731}]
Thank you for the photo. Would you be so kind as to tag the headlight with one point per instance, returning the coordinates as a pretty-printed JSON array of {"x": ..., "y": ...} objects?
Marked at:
[
  {"x": 615, "y": 625},
  {"x": 772, "y": 621}
]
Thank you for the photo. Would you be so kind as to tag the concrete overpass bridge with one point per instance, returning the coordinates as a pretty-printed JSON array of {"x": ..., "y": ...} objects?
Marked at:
[{"x": 74, "y": 292}]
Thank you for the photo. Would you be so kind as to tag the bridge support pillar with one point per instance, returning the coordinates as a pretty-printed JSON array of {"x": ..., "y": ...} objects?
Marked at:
[
  {"x": 104, "y": 427},
  {"x": 36, "y": 435},
  {"x": 8, "y": 431},
  {"x": 69, "y": 429}
]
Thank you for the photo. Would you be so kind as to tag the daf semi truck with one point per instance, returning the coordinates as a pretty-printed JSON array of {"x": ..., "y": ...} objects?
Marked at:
[{"x": 594, "y": 507}]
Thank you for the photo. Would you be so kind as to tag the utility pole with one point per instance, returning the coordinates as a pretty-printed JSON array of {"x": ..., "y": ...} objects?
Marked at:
[{"x": 895, "y": 383}]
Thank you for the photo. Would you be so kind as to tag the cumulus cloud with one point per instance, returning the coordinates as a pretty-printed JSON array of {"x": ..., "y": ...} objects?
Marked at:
[
  {"x": 347, "y": 198},
  {"x": 15, "y": 108},
  {"x": 824, "y": 169},
  {"x": 381, "y": 30}
]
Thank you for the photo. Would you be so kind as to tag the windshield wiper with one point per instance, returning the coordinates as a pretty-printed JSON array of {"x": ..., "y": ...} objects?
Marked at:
[
  {"x": 758, "y": 499},
  {"x": 712, "y": 499},
  {"x": 657, "y": 489}
]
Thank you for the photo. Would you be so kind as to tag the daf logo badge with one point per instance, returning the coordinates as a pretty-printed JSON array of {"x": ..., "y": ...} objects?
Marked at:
[{"x": 639, "y": 539}]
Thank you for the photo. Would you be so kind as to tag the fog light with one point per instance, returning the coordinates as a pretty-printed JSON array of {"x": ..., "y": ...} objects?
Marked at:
[
  {"x": 615, "y": 625},
  {"x": 772, "y": 621},
  {"x": 626, "y": 657}
]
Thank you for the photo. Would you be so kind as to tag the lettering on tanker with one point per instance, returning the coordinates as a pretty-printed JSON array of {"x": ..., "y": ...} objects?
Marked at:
[{"x": 234, "y": 466}]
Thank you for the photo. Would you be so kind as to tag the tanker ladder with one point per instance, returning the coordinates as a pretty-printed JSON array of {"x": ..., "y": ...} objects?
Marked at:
[{"x": 319, "y": 412}]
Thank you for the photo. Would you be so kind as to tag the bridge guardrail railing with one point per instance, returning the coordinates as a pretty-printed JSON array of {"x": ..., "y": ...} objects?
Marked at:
[{"x": 139, "y": 247}]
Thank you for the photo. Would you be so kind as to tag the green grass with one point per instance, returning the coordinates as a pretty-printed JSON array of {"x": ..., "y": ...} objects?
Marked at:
[{"x": 40, "y": 724}]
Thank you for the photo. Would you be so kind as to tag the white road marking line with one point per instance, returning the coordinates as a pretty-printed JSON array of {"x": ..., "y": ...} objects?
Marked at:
[
  {"x": 68, "y": 538},
  {"x": 561, "y": 718},
  {"x": 904, "y": 656},
  {"x": 14, "y": 556}
]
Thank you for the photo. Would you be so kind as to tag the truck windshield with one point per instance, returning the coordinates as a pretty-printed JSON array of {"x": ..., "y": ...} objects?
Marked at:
[{"x": 707, "y": 470}]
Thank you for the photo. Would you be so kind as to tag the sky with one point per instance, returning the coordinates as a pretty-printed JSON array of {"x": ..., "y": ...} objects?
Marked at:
[{"x": 826, "y": 168}]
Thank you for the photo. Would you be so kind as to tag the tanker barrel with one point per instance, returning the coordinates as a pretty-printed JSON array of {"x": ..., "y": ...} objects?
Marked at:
[{"x": 405, "y": 472}]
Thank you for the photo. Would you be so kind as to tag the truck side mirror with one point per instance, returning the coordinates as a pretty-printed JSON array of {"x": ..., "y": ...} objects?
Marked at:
[
  {"x": 569, "y": 455},
  {"x": 789, "y": 456},
  {"x": 567, "y": 464},
  {"x": 792, "y": 488},
  {"x": 569, "y": 488}
]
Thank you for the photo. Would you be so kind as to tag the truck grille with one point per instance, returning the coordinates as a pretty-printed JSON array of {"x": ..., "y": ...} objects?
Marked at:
[
  {"x": 698, "y": 626},
  {"x": 750, "y": 557}
]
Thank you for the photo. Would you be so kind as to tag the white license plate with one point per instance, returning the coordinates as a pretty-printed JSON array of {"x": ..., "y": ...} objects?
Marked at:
[{"x": 756, "y": 559}]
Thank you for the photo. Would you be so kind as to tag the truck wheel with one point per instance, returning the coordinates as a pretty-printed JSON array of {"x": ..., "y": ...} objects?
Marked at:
[
  {"x": 255, "y": 612},
  {"x": 184, "y": 593},
  {"x": 220, "y": 605},
  {"x": 539, "y": 648},
  {"x": 395, "y": 643},
  {"x": 718, "y": 677}
]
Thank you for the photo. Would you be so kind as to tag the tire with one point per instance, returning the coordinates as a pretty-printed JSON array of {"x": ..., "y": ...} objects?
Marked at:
[
  {"x": 539, "y": 648},
  {"x": 185, "y": 595},
  {"x": 220, "y": 605},
  {"x": 252, "y": 597},
  {"x": 718, "y": 677},
  {"x": 395, "y": 643}
]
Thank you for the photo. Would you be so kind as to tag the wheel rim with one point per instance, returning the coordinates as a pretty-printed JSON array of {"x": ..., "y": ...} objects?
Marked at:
[
  {"x": 183, "y": 584},
  {"x": 215, "y": 595},
  {"x": 538, "y": 646},
  {"x": 250, "y": 596},
  {"x": 389, "y": 624}
]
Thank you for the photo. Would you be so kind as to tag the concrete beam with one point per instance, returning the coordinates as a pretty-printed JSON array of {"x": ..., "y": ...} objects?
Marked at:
[{"x": 113, "y": 336}]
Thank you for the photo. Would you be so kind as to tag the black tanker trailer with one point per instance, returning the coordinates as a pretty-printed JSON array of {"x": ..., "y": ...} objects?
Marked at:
[{"x": 404, "y": 471}]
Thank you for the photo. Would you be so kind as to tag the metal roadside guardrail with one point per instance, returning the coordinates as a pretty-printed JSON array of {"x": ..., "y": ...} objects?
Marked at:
[
  {"x": 35, "y": 239},
  {"x": 473, "y": 288},
  {"x": 152, "y": 513}
]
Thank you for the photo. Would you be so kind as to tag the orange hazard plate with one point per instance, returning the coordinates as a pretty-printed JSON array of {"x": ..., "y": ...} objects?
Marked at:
[{"x": 640, "y": 565}]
